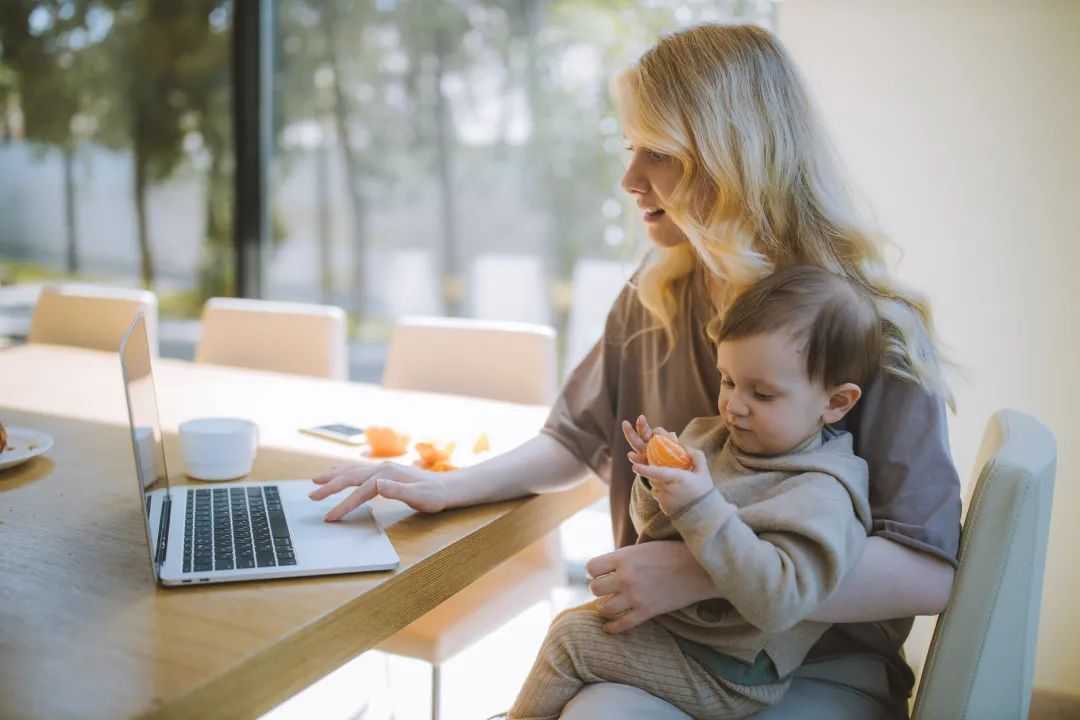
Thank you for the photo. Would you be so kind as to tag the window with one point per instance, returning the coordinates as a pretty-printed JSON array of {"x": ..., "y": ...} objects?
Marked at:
[
  {"x": 116, "y": 155},
  {"x": 458, "y": 157}
]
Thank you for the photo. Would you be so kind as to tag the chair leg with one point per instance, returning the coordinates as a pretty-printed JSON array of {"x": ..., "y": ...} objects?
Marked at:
[{"x": 436, "y": 689}]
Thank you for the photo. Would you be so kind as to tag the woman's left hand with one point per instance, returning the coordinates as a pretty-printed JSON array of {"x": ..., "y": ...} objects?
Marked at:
[{"x": 638, "y": 582}]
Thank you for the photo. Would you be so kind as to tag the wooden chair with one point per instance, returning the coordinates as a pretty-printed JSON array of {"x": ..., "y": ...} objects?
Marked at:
[
  {"x": 281, "y": 337},
  {"x": 91, "y": 316},
  {"x": 513, "y": 362}
]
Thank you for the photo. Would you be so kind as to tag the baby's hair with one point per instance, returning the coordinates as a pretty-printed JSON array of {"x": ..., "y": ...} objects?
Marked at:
[{"x": 835, "y": 322}]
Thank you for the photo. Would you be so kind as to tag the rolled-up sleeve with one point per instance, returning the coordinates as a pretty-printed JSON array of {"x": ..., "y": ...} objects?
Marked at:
[{"x": 901, "y": 431}]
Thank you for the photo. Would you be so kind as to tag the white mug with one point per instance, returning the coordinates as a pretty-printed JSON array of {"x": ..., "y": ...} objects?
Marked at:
[{"x": 218, "y": 448}]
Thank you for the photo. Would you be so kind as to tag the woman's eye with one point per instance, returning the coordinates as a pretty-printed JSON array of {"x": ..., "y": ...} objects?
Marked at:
[
  {"x": 725, "y": 383},
  {"x": 657, "y": 156}
]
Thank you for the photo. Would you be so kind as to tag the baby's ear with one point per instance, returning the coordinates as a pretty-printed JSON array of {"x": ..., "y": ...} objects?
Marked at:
[{"x": 841, "y": 399}]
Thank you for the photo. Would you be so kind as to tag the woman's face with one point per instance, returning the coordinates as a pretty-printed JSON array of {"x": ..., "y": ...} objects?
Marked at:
[{"x": 650, "y": 177}]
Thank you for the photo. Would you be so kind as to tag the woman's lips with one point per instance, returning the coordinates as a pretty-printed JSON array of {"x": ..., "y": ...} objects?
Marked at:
[{"x": 651, "y": 216}]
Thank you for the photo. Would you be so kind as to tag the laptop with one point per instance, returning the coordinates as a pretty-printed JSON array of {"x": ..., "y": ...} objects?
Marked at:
[{"x": 233, "y": 531}]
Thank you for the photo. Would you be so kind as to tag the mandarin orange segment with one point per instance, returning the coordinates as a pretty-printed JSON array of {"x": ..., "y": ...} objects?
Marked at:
[
  {"x": 430, "y": 453},
  {"x": 386, "y": 442},
  {"x": 667, "y": 452}
]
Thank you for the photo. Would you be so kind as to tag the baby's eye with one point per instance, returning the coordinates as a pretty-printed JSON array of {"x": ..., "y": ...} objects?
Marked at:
[{"x": 764, "y": 397}]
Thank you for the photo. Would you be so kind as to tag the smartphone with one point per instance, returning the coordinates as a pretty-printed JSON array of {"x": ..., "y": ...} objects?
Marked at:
[{"x": 341, "y": 432}]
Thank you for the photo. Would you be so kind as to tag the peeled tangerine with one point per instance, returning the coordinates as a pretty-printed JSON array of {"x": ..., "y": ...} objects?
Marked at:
[
  {"x": 434, "y": 457},
  {"x": 386, "y": 442},
  {"x": 667, "y": 452}
]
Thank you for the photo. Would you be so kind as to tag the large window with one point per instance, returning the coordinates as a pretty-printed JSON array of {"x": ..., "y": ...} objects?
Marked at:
[
  {"x": 116, "y": 152},
  {"x": 428, "y": 156},
  {"x": 459, "y": 156}
]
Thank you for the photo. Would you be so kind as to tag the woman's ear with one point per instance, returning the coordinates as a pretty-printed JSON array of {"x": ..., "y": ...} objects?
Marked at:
[{"x": 841, "y": 399}]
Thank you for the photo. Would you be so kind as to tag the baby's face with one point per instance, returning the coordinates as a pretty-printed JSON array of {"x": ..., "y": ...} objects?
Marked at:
[{"x": 769, "y": 403}]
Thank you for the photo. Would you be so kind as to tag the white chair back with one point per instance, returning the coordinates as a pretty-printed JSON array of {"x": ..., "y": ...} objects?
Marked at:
[
  {"x": 509, "y": 287},
  {"x": 281, "y": 337},
  {"x": 91, "y": 316},
  {"x": 514, "y": 362},
  {"x": 594, "y": 287},
  {"x": 981, "y": 661}
]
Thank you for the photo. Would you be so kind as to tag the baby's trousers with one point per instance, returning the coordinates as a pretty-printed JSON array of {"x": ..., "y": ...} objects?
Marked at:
[{"x": 578, "y": 651}]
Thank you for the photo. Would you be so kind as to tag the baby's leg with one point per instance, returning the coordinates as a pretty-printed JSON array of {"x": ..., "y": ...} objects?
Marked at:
[{"x": 577, "y": 651}]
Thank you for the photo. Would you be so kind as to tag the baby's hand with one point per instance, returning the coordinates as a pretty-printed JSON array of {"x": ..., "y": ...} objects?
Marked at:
[
  {"x": 638, "y": 435},
  {"x": 675, "y": 488}
]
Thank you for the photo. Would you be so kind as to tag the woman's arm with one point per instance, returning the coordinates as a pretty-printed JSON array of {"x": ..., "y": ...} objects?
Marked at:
[
  {"x": 541, "y": 464},
  {"x": 890, "y": 580},
  {"x": 639, "y": 582}
]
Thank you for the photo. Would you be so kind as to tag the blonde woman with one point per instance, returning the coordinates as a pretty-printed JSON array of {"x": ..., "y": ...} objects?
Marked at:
[{"x": 734, "y": 178}]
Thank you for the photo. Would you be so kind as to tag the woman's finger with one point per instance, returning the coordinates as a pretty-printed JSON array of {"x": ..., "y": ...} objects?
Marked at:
[
  {"x": 612, "y": 606},
  {"x": 356, "y": 498},
  {"x": 606, "y": 584},
  {"x": 627, "y": 621},
  {"x": 602, "y": 564}
]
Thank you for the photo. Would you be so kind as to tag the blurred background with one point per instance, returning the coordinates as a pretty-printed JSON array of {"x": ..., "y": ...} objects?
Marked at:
[{"x": 462, "y": 157}]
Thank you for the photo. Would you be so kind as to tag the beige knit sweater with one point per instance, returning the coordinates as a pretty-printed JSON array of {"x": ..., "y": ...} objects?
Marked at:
[{"x": 776, "y": 535}]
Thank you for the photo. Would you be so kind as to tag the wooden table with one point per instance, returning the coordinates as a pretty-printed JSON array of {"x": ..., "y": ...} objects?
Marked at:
[{"x": 84, "y": 630}]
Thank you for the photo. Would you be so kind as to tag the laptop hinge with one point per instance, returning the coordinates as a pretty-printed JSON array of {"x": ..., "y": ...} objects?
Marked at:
[{"x": 163, "y": 529}]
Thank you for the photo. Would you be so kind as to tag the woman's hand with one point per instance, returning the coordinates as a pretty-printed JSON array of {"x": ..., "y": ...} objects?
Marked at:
[
  {"x": 639, "y": 582},
  {"x": 421, "y": 490}
]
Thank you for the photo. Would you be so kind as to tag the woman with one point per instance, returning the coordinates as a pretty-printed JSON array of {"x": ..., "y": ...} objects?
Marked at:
[{"x": 733, "y": 175}]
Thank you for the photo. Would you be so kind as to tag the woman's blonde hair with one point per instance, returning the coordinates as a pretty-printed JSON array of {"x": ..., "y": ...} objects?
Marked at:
[{"x": 760, "y": 189}]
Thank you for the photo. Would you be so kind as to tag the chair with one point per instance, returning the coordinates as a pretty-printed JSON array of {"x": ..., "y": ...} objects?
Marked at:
[
  {"x": 513, "y": 362},
  {"x": 277, "y": 336},
  {"x": 981, "y": 660},
  {"x": 509, "y": 287},
  {"x": 91, "y": 316},
  {"x": 593, "y": 289}
]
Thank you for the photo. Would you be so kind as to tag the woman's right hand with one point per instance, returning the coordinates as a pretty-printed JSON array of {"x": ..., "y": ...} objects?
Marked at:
[{"x": 422, "y": 490}]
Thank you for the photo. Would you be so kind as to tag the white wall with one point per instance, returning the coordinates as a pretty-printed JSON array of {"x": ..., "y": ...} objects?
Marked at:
[{"x": 960, "y": 124}]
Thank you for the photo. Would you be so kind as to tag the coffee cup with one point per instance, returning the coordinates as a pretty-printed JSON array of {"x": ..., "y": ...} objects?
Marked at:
[{"x": 218, "y": 448}]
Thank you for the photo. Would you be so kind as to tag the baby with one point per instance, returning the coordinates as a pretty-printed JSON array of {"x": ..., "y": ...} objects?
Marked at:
[{"x": 774, "y": 507}]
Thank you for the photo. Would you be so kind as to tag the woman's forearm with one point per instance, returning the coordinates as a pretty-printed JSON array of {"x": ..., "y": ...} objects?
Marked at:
[
  {"x": 888, "y": 581},
  {"x": 539, "y": 465}
]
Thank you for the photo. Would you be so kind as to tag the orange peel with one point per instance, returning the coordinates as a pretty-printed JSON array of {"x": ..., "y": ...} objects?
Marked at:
[{"x": 385, "y": 441}]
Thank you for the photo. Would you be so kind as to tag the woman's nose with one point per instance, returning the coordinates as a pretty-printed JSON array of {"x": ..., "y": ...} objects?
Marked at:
[{"x": 633, "y": 181}]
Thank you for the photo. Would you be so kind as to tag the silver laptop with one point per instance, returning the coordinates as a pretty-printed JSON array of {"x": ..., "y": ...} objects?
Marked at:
[{"x": 227, "y": 532}]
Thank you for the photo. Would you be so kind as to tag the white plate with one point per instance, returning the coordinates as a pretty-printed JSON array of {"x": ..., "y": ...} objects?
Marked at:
[{"x": 23, "y": 444}]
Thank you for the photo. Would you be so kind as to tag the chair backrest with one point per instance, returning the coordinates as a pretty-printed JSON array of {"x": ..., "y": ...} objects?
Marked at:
[
  {"x": 514, "y": 362},
  {"x": 278, "y": 336},
  {"x": 509, "y": 287},
  {"x": 982, "y": 658},
  {"x": 595, "y": 286},
  {"x": 91, "y": 316}
]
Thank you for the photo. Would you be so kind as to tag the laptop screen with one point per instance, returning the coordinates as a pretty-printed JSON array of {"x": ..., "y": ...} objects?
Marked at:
[{"x": 146, "y": 440}]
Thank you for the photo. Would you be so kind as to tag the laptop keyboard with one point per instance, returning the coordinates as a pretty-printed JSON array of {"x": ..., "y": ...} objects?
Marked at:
[{"x": 235, "y": 528}]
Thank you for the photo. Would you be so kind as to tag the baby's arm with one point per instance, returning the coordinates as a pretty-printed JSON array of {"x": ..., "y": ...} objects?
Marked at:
[{"x": 776, "y": 560}]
